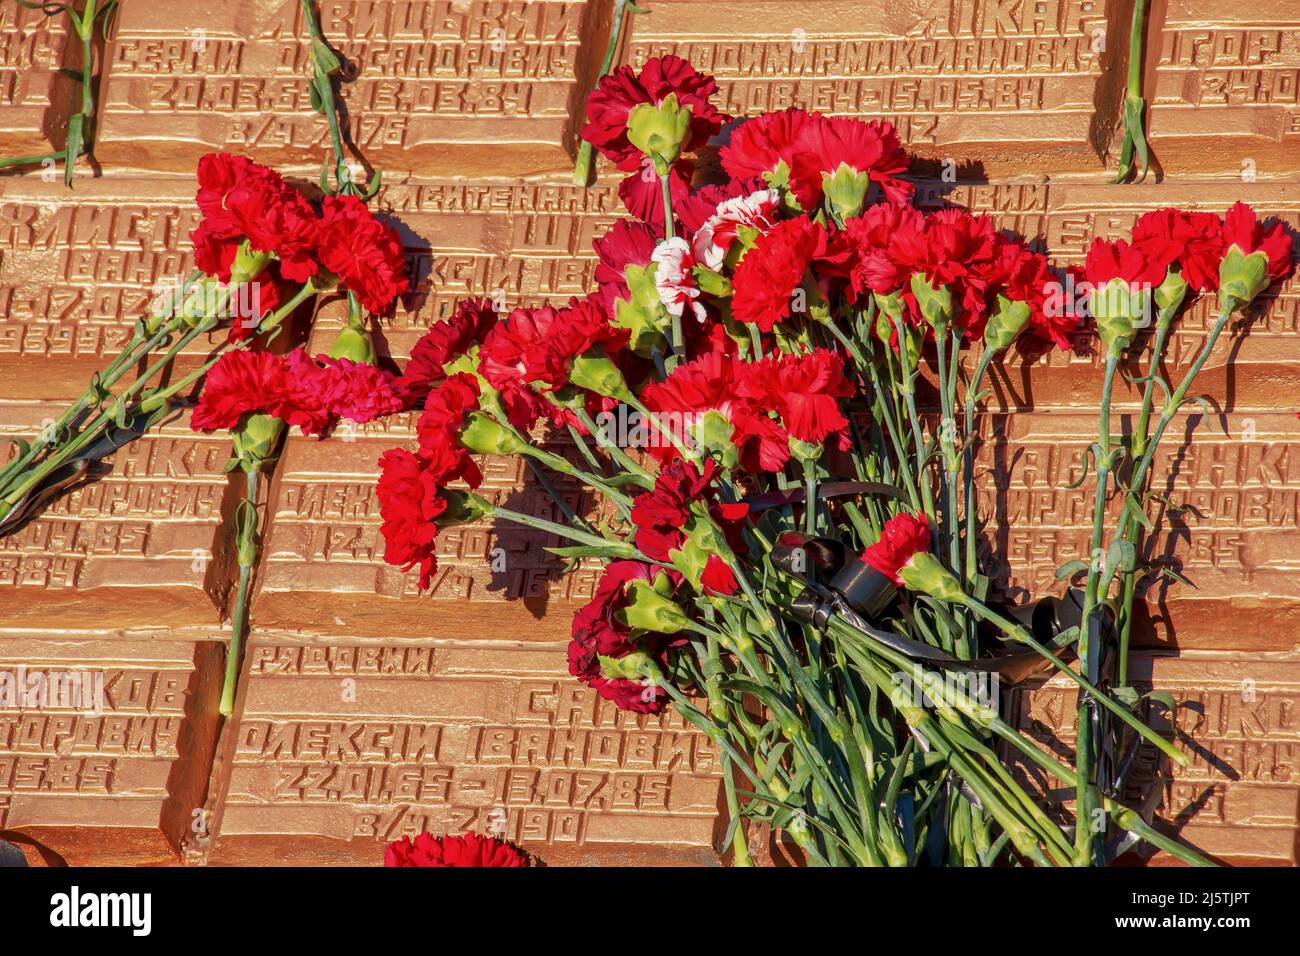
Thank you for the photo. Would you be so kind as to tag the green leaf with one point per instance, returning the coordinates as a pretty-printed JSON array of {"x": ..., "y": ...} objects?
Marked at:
[
  {"x": 1164, "y": 698},
  {"x": 1127, "y": 696},
  {"x": 592, "y": 551},
  {"x": 1067, "y": 637},
  {"x": 325, "y": 59},
  {"x": 1070, "y": 569},
  {"x": 1133, "y": 508},
  {"x": 1175, "y": 575},
  {"x": 372, "y": 188},
  {"x": 74, "y": 147},
  {"x": 1121, "y": 556},
  {"x": 1083, "y": 475},
  {"x": 317, "y": 103}
]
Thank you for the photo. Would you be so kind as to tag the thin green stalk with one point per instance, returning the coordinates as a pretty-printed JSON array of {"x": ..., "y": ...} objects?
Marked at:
[
  {"x": 972, "y": 393},
  {"x": 582, "y": 168},
  {"x": 246, "y": 548}
]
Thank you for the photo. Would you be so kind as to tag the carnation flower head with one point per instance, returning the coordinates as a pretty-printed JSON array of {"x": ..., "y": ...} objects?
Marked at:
[
  {"x": 363, "y": 252},
  {"x": 765, "y": 145},
  {"x": 409, "y": 504},
  {"x": 1194, "y": 240},
  {"x": 847, "y": 155},
  {"x": 804, "y": 390},
  {"x": 444, "y": 342},
  {"x": 470, "y": 850},
  {"x": 902, "y": 536},
  {"x": 675, "y": 278},
  {"x": 765, "y": 279},
  {"x": 619, "y": 92}
]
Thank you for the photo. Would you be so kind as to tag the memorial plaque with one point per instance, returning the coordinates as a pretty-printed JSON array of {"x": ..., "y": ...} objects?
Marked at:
[
  {"x": 480, "y": 87},
  {"x": 1231, "y": 525},
  {"x": 998, "y": 87},
  {"x": 106, "y": 738},
  {"x": 1223, "y": 87},
  {"x": 79, "y": 268},
  {"x": 35, "y": 99},
  {"x": 145, "y": 543},
  {"x": 343, "y": 745},
  {"x": 1239, "y": 722}
]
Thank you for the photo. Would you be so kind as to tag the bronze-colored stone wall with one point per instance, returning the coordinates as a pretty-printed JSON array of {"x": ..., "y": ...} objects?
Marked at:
[{"x": 367, "y": 711}]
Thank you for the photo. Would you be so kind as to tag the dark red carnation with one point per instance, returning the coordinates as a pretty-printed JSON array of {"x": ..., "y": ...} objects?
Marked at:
[
  {"x": 613, "y": 99},
  {"x": 627, "y": 243},
  {"x": 444, "y": 342},
  {"x": 642, "y": 193}
]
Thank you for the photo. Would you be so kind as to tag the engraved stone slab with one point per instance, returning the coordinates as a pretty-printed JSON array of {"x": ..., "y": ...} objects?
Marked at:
[
  {"x": 79, "y": 268},
  {"x": 105, "y": 742},
  {"x": 142, "y": 544},
  {"x": 1238, "y": 721},
  {"x": 440, "y": 86},
  {"x": 346, "y": 744},
  {"x": 1231, "y": 526},
  {"x": 999, "y": 86},
  {"x": 34, "y": 97},
  {"x": 324, "y": 537},
  {"x": 1224, "y": 87}
]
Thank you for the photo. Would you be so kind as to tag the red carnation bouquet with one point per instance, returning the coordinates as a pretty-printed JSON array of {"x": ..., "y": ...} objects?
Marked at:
[{"x": 791, "y": 548}]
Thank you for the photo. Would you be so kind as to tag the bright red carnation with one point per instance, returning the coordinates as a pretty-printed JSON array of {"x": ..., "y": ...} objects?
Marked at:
[
  {"x": 1242, "y": 228},
  {"x": 363, "y": 252},
  {"x": 881, "y": 239},
  {"x": 804, "y": 390},
  {"x": 409, "y": 502},
  {"x": 826, "y": 143},
  {"x": 766, "y": 278},
  {"x": 240, "y": 382},
  {"x": 468, "y": 850},
  {"x": 759, "y": 146},
  {"x": 445, "y": 409},
  {"x": 1192, "y": 239},
  {"x": 903, "y": 536},
  {"x": 1119, "y": 260}
]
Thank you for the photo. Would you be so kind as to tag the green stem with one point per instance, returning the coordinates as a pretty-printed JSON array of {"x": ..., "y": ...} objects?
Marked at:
[
  {"x": 582, "y": 169},
  {"x": 972, "y": 393},
  {"x": 246, "y": 536}
]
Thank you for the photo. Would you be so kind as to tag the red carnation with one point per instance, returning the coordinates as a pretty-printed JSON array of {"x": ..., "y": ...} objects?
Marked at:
[
  {"x": 804, "y": 390},
  {"x": 468, "y": 850},
  {"x": 1023, "y": 275},
  {"x": 766, "y": 278},
  {"x": 1192, "y": 239},
  {"x": 826, "y": 143},
  {"x": 409, "y": 502},
  {"x": 444, "y": 342},
  {"x": 902, "y": 536},
  {"x": 1119, "y": 260},
  {"x": 708, "y": 384},
  {"x": 1242, "y": 228},
  {"x": 878, "y": 239},
  {"x": 240, "y": 382},
  {"x": 360, "y": 392},
  {"x": 642, "y": 193},
  {"x": 445, "y": 409},
  {"x": 627, "y": 243},
  {"x": 364, "y": 253},
  {"x": 610, "y": 103},
  {"x": 760, "y": 145}
]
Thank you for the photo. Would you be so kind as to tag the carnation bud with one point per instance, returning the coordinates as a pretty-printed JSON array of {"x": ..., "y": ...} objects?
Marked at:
[
  {"x": 354, "y": 343},
  {"x": 1169, "y": 294},
  {"x": 652, "y": 611},
  {"x": 805, "y": 451},
  {"x": 642, "y": 314},
  {"x": 659, "y": 130},
  {"x": 194, "y": 308},
  {"x": 923, "y": 573},
  {"x": 702, "y": 539},
  {"x": 1119, "y": 313},
  {"x": 712, "y": 283},
  {"x": 488, "y": 437},
  {"x": 253, "y": 440},
  {"x": 935, "y": 303},
  {"x": 1007, "y": 322},
  {"x": 845, "y": 191},
  {"x": 1241, "y": 278},
  {"x": 714, "y": 435},
  {"x": 596, "y": 372}
]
